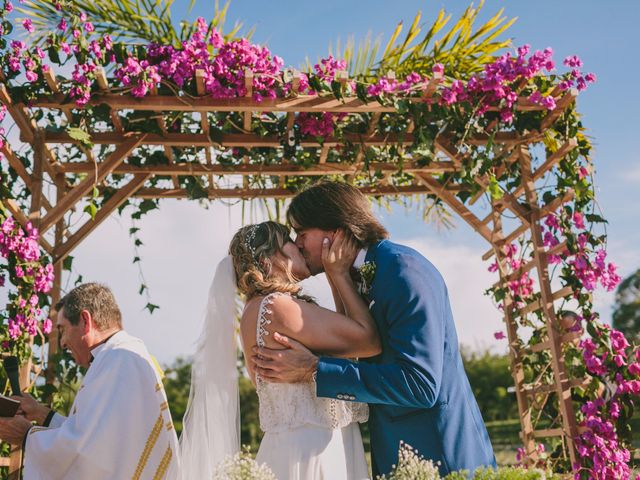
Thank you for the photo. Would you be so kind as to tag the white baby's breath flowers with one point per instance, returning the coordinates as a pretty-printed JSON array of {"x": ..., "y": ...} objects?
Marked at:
[
  {"x": 412, "y": 466},
  {"x": 242, "y": 466}
]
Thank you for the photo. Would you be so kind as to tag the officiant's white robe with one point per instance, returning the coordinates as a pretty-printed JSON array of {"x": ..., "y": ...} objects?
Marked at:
[{"x": 119, "y": 426}]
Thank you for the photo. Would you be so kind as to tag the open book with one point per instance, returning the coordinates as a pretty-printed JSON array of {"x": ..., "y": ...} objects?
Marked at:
[{"x": 8, "y": 406}]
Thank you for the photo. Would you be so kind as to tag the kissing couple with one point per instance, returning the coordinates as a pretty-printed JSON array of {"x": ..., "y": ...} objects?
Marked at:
[{"x": 388, "y": 354}]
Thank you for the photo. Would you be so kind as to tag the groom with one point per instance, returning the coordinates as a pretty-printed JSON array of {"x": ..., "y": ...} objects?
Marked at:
[{"x": 417, "y": 389}]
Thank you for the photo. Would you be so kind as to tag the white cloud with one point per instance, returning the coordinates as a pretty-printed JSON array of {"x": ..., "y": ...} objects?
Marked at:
[{"x": 632, "y": 175}]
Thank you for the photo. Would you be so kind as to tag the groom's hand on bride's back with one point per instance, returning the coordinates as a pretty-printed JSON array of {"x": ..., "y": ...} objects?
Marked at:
[{"x": 293, "y": 364}]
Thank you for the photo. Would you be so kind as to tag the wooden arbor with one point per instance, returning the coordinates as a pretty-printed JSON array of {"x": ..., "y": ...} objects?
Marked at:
[{"x": 58, "y": 187}]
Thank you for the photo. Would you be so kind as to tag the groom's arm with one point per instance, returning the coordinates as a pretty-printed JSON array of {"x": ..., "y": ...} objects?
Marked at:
[{"x": 414, "y": 308}]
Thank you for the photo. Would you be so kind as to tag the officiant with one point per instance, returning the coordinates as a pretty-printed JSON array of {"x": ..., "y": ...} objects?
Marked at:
[{"x": 119, "y": 424}]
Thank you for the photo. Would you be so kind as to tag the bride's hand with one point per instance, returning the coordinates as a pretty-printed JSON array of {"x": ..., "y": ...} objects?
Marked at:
[{"x": 338, "y": 256}]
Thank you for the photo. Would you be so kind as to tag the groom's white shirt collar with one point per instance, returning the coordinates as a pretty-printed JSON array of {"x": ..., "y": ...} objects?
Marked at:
[{"x": 360, "y": 258}]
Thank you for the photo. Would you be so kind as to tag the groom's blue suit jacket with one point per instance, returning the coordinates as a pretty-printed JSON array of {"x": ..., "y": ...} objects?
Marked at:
[{"x": 417, "y": 389}]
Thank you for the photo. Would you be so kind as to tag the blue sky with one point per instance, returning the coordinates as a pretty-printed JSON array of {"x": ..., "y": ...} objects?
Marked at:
[{"x": 183, "y": 241}]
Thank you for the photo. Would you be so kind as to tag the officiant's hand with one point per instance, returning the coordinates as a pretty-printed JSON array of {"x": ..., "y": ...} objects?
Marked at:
[
  {"x": 31, "y": 409},
  {"x": 13, "y": 429},
  {"x": 294, "y": 364}
]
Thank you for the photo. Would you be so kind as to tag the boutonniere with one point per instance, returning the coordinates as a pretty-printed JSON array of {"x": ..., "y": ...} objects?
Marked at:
[{"x": 366, "y": 271}]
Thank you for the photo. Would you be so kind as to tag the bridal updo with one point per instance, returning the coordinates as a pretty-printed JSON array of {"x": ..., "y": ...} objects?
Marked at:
[{"x": 253, "y": 250}]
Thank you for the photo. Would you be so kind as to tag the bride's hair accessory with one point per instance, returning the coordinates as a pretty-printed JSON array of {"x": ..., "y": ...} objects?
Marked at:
[{"x": 248, "y": 241}]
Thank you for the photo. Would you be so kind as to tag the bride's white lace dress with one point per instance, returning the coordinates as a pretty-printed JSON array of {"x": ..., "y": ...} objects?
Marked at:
[{"x": 306, "y": 437}]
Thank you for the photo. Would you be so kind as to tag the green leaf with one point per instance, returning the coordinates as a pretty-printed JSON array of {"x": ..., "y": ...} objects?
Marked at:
[
  {"x": 494, "y": 188},
  {"x": 91, "y": 209},
  {"x": 315, "y": 83},
  {"x": 336, "y": 88},
  {"x": 79, "y": 135},
  {"x": 215, "y": 134},
  {"x": 151, "y": 307},
  {"x": 592, "y": 217},
  {"x": 53, "y": 55},
  {"x": 67, "y": 263}
]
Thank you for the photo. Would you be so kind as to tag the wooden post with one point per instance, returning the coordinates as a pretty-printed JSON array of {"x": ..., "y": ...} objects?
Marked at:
[
  {"x": 517, "y": 369},
  {"x": 561, "y": 378},
  {"x": 57, "y": 286},
  {"x": 37, "y": 179}
]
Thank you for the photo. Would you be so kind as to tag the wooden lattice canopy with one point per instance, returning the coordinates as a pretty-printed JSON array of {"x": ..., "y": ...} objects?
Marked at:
[{"x": 58, "y": 186}]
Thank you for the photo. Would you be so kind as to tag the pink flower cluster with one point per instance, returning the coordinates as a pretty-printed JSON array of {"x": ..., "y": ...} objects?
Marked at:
[
  {"x": 318, "y": 125},
  {"x": 22, "y": 247},
  {"x": 590, "y": 267},
  {"x": 391, "y": 85},
  {"x": 609, "y": 356},
  {"x": 497, "y": 86},
  {"x": 494, "y": 87},
  {"x": 603, "y": 456},
  {"x": 140, "y": 75},
  {"x": 224, "y": 71},
  {"x": 575, "y": 76},
  {"x": 521, "y": 288}
]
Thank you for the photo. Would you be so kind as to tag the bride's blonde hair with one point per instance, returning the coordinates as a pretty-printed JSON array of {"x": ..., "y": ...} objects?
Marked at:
[{"x": 253, "y": 250}]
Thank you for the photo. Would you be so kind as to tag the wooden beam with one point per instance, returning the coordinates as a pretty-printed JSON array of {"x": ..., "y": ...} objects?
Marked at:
[
  {"x": 244, "y": 169},
  {"x": 248, "y": 85},
  {"x": 103, "y": 85},
  {"x": 302, "y": 103},
  {"x": 28, "y": 128},
  {"x": 227, "y": 140},
  {"x": 20, "y": 169},
  {"x": 456, "y": 205},
  {"x": 544, "y": 211},
  {"x": 167, "y": 148},
  {"x": 561, "y": 105},
  {"x": 252, "y": 193},
  {"x": 94, "y": 178},
  {"x": 537, "y": 304},
  {"x": 204, "y": 120},
  {"x": 245, "y": 140},
  {"x": 123, "y": 193},
  {"x": 550, "y": 162},
  {"x": 524, "y": 268}
]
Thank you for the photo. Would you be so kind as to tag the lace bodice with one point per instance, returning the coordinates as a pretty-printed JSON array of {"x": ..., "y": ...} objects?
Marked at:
[{"x": 284, "y": 406}]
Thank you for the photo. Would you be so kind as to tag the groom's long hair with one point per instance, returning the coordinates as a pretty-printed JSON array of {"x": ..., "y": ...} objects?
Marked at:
[{"x": 332, "y": 205}]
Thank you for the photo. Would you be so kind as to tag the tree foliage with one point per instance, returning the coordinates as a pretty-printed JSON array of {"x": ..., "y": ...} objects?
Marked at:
[{"x": 626, "y": 314}]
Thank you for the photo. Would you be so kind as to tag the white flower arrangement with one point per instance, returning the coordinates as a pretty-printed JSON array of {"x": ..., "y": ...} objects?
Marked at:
[{"x": 242, "y": 466}]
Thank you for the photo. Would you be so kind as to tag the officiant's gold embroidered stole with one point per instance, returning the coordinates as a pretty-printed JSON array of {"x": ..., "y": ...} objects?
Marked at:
[{"x": 150, "y": 451}]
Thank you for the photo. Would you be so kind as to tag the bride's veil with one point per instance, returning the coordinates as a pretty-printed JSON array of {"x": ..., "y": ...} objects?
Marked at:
[{"x": 211, "y": 424}]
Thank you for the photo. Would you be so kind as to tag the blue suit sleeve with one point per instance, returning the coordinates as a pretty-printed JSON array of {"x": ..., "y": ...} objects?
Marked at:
[{"x": 414, "y": 306}]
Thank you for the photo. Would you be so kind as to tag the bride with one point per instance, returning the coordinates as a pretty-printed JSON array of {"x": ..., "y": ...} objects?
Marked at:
[{"x": 306, "y": 437}]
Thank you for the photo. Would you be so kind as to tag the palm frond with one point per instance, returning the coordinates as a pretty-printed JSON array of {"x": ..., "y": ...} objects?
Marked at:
[
  {"x": 463, "y": 48},
  {"x": 360, "y": 60},
  {"x": 125, "y": 20}
]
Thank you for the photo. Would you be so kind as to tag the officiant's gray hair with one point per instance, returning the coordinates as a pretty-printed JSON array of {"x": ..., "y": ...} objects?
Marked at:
[
  {"x": 333, "y": 205},
  {"x": 97, "y": 299}
]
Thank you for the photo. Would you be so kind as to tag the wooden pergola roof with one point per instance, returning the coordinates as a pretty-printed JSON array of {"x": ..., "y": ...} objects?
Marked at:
[{"x": 49, "y": 209}]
